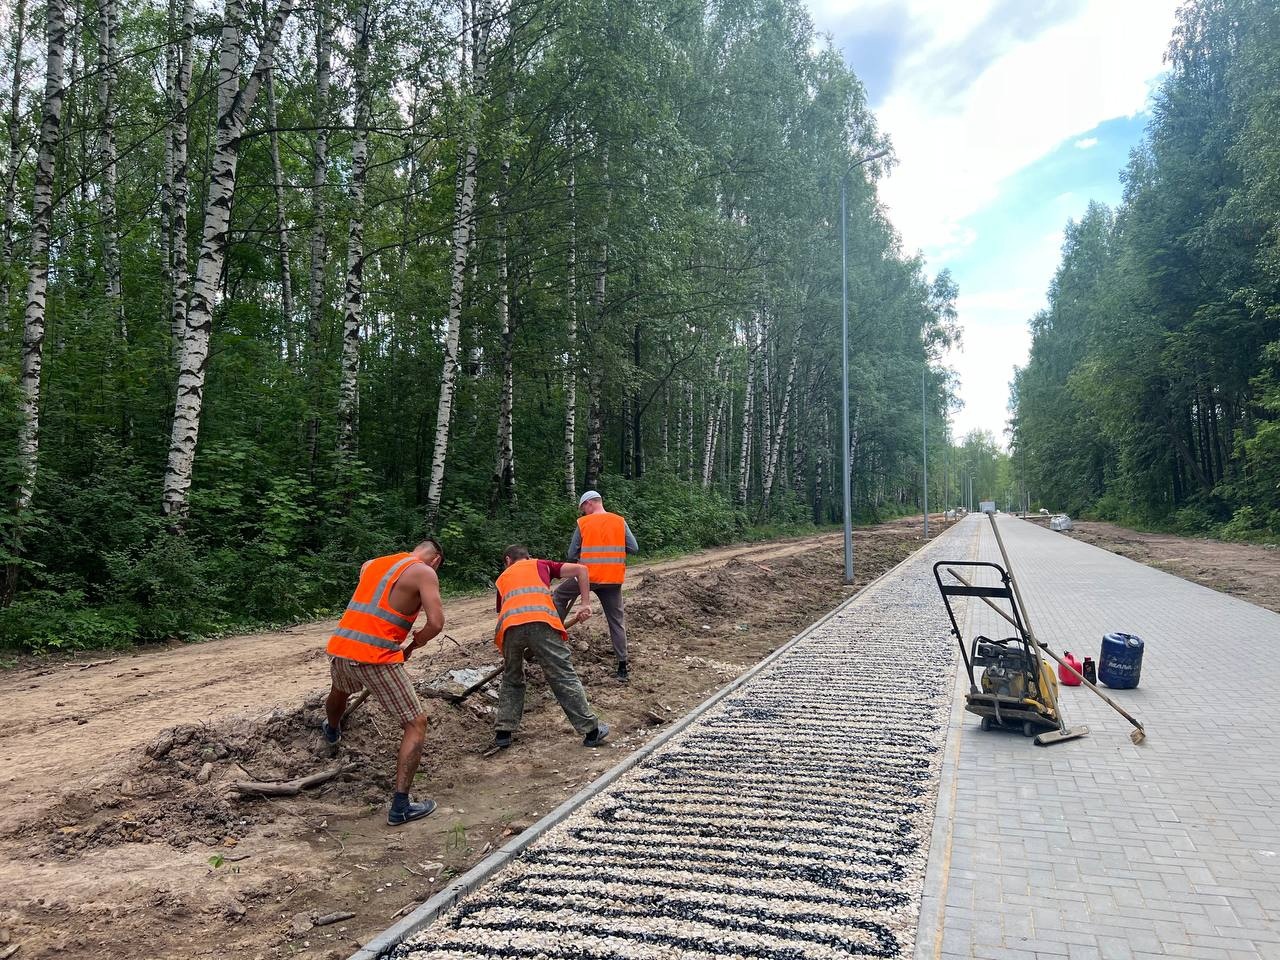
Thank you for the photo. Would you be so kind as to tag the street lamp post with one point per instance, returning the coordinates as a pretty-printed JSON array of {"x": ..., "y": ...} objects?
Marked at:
[
  {"x": 844, "y": 362},
  {"x": 924, "y": 440}
]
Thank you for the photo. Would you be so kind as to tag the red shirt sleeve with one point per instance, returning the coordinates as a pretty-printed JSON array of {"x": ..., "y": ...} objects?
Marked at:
[{"x": 547, "y": 569}]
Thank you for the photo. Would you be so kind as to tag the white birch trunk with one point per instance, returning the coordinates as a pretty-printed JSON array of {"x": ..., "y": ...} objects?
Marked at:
[
  {"x": 179, "y": 189},
  {"x": 235, "y": 105},
  {"x": 690, "y": 457},
  {"x": 353, "y": 300},
  {"x": 13, "y": 121},
  {"x": 33, "y": 319},
  {"x": 463, "y": 221},
  {"x": 166, "y": 174},
  {"x": 748, "y": 418},
  {"x": 666, "y": 426},
  {"x": 713, "y": 427},
  {"x": 714, "y": 430},
  {"x": 779, "y": 431},
  {"x": 108, "y": 71},
  {"x": 571, "y": 356},
  {"x": 504, "y": 474},
  {"x": 319, "y": 220},
  {"x": 595, "y": 418},
  {"x": 505, "y": 466},
  {"x": 282, "y": 221}
]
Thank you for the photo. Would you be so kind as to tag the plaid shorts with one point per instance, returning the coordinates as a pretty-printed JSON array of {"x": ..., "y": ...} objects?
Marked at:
[{"x": 388, "y": 682}]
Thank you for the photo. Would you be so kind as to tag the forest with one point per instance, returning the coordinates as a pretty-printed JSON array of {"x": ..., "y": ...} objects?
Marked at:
[
  {"x": 285, "y": 288},
  {"x": 1152, "y": 393}
]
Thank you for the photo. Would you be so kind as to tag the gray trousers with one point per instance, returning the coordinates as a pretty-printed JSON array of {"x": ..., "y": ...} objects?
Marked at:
[
  {"x": 610, "y": 597},
  {"x": 546, "y": 647}
]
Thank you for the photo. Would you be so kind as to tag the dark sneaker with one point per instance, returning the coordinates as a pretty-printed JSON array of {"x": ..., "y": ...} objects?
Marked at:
[
  {"x": 622, "y": 674},
  {"x": 332, "y": 738},
  {"x": 502, "y": 739},
  {"x": 596, "y": 736},
  {"x": 413, "y": 811}
]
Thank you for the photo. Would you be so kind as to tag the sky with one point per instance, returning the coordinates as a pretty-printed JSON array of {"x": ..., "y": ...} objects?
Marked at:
[{"x": 1007, "y": 117}]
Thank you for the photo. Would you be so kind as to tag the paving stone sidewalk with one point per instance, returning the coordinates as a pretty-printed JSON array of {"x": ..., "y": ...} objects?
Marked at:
[{"x": 1098, "y": 849}]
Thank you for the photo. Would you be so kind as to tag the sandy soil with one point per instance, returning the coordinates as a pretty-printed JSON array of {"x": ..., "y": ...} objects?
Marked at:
[
  {"x": 1245, "y": 570},
  {"x": 111, "y": 846}
]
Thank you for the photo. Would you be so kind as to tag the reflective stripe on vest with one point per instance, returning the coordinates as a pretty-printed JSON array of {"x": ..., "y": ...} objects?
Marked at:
[
  {"x": 371, "y": 630},
  {"x": 525, "y": 599},
  {"x": 604, "y": 547}
]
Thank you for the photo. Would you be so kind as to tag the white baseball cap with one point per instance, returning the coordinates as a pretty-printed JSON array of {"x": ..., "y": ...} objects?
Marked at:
[{"x": 589, "y": 495}]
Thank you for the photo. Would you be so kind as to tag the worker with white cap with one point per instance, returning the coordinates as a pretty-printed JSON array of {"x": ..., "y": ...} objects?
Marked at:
[{"x": 601, "y": 542}]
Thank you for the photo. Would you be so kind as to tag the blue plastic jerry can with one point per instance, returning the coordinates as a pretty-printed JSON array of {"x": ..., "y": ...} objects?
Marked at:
[{"x": 1120, "y": 664}]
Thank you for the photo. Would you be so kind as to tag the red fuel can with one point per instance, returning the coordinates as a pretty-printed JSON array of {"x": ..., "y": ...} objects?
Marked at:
[{"x": 1065, "y": 676}]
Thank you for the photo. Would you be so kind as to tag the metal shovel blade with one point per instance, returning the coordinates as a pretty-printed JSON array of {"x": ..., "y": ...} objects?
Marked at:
[{"x": 1061, "y": 736}]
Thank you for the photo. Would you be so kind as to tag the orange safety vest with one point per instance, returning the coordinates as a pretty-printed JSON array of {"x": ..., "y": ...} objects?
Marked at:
[
  {"x": 525, "y": 599},
  {"x": 604, "y": 546},
  {"x": 371, "y": 630}
]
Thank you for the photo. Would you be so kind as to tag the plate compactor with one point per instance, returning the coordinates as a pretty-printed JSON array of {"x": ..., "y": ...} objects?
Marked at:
[{"x": 1017, "y": 688}]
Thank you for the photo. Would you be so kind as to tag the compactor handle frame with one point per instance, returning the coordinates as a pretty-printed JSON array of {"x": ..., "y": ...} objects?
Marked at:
[{"x": 955, "y": 589}]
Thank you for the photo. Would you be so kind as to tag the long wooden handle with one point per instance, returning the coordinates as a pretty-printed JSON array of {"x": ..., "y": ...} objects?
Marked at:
[
  {"x": 1026, "y": 618},
  {"x": 1092, "y": 686}
]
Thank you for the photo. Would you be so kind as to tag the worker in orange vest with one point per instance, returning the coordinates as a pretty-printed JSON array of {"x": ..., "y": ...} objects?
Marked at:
[
  {"x": 529, "y": 626},
  {"x": 368, "y": 650},
  {"x": 602, "y": 541}
]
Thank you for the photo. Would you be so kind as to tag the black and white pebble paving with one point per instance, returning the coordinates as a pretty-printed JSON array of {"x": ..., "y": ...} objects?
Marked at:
[{"x": 790, "y": 821}]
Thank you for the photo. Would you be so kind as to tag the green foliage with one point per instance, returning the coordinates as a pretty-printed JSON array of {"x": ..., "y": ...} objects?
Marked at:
[
  {"x": 707, "y": 144},
  {"x": 1150, "y": 395}
]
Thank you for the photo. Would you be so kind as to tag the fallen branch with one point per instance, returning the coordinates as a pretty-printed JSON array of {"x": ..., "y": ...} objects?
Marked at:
[
  {"x": 88, "y": 666},
  {"x": 405, "y": 909},
  {"x": 8, "y": 952},
  {"x": 336, "y": 917},
  {"x": 289, "y": 788}
]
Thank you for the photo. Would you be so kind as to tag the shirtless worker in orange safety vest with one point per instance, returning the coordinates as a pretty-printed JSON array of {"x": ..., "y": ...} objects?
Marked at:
[{"x": 368, "y": 650}]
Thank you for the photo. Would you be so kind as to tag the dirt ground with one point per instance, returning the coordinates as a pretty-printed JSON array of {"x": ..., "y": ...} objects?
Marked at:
[
  {"x": 120, "y": 835},
  {"x": 1245, "y": 570}
]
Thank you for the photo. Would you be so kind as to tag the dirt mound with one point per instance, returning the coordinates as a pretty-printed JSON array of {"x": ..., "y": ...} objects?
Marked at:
[{"x": 178, "y": 790}]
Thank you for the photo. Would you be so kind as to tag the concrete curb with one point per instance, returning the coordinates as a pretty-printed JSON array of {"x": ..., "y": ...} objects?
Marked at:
[
  {"x": 933, "y": 897},
  {"x": 429, "y": 911}
]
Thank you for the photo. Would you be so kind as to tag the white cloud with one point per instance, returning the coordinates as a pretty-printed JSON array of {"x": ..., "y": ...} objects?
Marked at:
[
  {"x": 985, "y": 89},
  {"x": 956, "y": 147}
]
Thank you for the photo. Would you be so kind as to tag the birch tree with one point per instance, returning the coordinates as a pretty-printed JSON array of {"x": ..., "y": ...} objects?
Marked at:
[
  {"x": 33, "y": 318},
  {"x": 748, "y": 418},
  {"x": 179, "y": 188},
  {"x": 282, "y": 220},
  {"x": 13, "y": 124},
  {"x": 713, "y": 423},
  {"x": 108, "y": 72},
  {"x": 595, "y": 418},
  {"x": 571, "y": 354},
  {"x": 778, "y": 432},
  {"x": 348, "y": 390},
  {"x": 462, "y": 227},
  {"x": 234, "y": 105},
  {"x": 319, "y": 178}
]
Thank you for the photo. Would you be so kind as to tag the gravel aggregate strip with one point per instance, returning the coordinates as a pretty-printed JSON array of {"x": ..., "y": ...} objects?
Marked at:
[{"x": 790, "y": 821}]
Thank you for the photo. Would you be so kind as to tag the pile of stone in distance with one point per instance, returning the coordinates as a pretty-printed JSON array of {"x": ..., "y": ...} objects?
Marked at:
[{"x": 790, "y": 821}]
